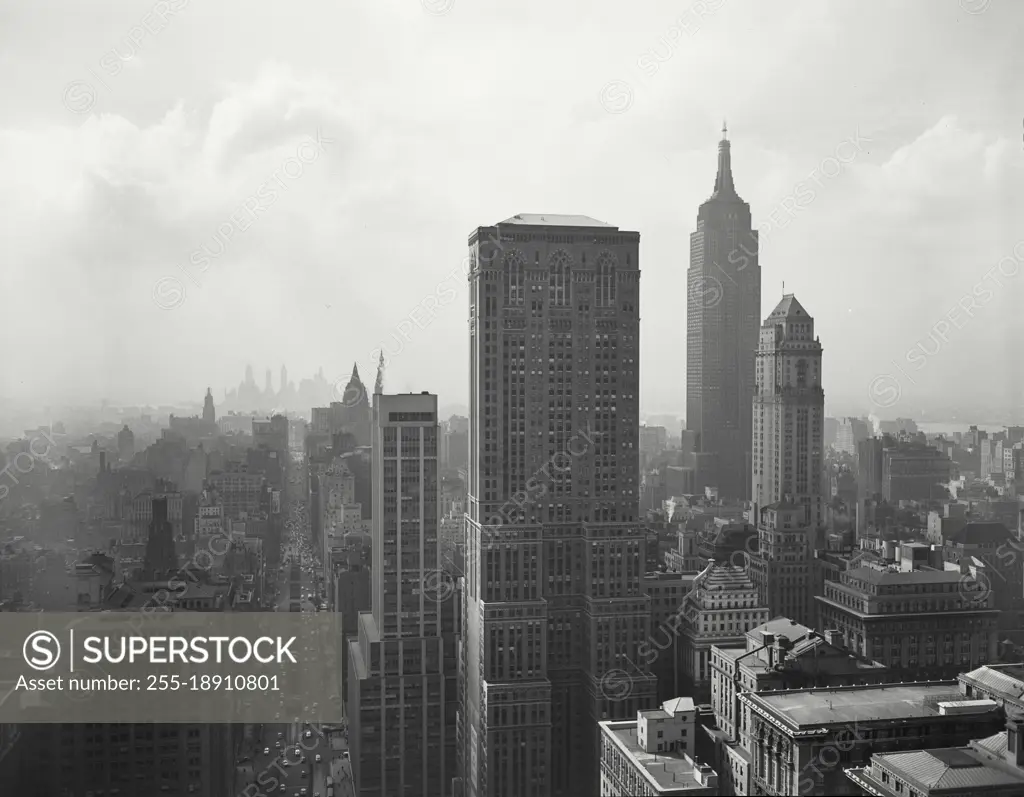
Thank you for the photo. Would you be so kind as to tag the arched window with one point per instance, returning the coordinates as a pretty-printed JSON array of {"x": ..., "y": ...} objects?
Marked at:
[
  {"x": 559, "y": 279},
  {"x": 513, "y": 264},
  {"x": 606, "y": 263}
]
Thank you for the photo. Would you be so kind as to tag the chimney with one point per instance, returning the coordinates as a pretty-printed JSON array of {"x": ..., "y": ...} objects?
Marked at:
[
  {"x": 781, "y": 648},
  {"x": 769, "y": 643},
  {"x": 833, "y": 637}
]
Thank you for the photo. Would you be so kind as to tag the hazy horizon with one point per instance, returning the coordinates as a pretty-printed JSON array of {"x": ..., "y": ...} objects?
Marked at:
[{"x": 146, "y": 260}]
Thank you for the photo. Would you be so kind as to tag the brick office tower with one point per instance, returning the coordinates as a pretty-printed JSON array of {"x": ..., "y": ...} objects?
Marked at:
[
  {"x": 554, "y": 612},
  {"x": 402, "y": 667},
  {"x": 723, "y": 314}
]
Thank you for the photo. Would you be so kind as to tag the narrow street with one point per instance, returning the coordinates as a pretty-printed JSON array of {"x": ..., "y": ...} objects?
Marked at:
[{"x": 296, "y": 758}]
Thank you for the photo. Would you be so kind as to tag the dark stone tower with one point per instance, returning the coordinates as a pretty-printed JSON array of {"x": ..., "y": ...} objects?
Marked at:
[
  {"x": 209, "y": 413},
  {"x": 160, "y": 555}
]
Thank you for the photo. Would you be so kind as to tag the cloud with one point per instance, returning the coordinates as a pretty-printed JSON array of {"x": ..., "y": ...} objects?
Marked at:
[
  {"x": 903, "y": 240},
  {"x": 94, "y": 210},
  {"x": 444, "y": 123}
]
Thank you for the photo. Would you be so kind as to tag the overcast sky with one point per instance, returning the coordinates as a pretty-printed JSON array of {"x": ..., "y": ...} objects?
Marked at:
[{"x": 350, "y": 148}]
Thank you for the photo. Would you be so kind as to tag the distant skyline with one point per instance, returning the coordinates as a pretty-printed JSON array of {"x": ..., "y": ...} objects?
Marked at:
[{"x": 147, "y": 259}]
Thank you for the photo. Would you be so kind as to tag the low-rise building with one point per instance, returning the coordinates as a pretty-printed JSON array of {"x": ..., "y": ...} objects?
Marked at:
[
  {"x": 780, "y": 654},
  {"x": 802, "y": 739},
  {"x": 238, "y": 489},
  {"x": 720, "y": 609},
  {"x": 684, "y": 557},
  {"x": 922, "y": 623},
  {"x": 652, "y": 756},
  {"x": 942, "y": 525},
  {"x": 993, "y": 767},
  {"x": 993, "y": 555},
  {"x": 728, "y": 539},
  {"x": 1003, "y": 683}
]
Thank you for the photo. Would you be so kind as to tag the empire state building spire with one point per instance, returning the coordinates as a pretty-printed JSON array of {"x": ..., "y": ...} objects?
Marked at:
[
  {"x": 724, "y": 187},
  {"x": 722, "y": 335}
]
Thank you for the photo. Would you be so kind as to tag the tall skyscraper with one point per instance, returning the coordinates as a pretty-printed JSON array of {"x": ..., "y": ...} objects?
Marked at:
[
  {"x": 723, "y": 307},
  {"x": 554, "y": 612},
  {"x": 209, "y": 412},
  {"x": 789, "y": 412},
  {"x": 788, "y": 420},
  {"x": 125, "y": 445},
  {"x": 402, "y": 666}
]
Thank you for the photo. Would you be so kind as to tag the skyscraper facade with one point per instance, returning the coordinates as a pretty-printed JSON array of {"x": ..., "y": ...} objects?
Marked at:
[
  {"x": 787, "y": 476},
  {"x": 723, "y": 307},
  {"x": 789, "y": 412},
  {"x": 554, "y": 611},
  {"x": 402, "y": 665}
]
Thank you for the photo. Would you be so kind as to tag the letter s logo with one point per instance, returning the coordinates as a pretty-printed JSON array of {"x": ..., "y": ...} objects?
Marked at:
[{"x": 41, "y": 650}]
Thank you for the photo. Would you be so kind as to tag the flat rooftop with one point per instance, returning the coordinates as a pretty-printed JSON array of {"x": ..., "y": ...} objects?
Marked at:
[
  {"x": 554, "y": 220},
  {"x": 801, "y": 708},
  {"x": 781, "y": 627},
  {"x": 873, "y": 576},
  {"x": 667, "y": 770}
]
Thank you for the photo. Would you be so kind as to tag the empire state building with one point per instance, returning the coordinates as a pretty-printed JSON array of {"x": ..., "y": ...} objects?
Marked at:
[{"x": 723, "y": 306}]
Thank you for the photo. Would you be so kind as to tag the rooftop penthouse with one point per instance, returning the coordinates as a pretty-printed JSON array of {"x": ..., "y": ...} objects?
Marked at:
[{"x": 651, "y": 756}]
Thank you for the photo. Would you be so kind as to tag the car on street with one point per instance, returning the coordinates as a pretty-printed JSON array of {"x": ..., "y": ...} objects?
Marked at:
[{"x": 266, "y": 751}]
